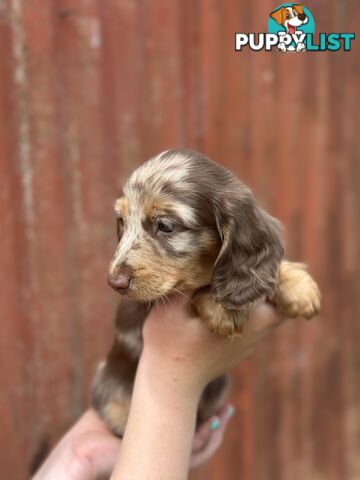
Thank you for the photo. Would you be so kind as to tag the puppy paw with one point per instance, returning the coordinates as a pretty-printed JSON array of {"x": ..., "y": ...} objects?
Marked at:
[
  {"x": 300, "y": 47},
  {"x": 115, "y": 414},
  {"x": 228, "y": 323},
  {"x": 297, "y": 294}
]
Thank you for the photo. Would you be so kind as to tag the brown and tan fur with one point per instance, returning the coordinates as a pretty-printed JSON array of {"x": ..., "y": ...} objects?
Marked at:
[{"x": 186, "y": 223}]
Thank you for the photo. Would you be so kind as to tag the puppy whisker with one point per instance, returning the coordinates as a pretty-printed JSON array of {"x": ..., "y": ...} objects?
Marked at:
[{"x": 183, "y": 294}]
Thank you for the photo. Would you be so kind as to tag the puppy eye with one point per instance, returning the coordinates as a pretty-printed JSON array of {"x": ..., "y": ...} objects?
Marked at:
[
  {"x": 288, "y": 15},
  {"x": 164, "y": 226}
]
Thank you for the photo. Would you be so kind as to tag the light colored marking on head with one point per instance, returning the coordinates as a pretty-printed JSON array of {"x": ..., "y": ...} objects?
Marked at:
[
  {"x": 182, "y": 242},
  {"x": 133, "y": 232},
  {"x": 166, "y": 206},
  {"x": 128, "y": 240},
  {"x": 185, "y": 212},
  {"x": 173, "y": 168}
]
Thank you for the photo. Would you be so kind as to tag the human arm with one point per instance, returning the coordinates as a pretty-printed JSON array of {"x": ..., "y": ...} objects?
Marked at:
[
  {"x": 180, "y": 357},
  {"x": 89, "y": 451}
]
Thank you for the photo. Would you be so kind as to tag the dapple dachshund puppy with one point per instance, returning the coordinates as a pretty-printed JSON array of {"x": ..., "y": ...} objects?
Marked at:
[{"x": 186, "y": 223}]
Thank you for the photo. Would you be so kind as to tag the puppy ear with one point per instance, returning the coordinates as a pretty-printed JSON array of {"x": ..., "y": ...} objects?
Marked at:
[
  {"x": 278, "y": 15},
  {"x": 298, "y": 8},
  {"x": 251, "y": 251}
]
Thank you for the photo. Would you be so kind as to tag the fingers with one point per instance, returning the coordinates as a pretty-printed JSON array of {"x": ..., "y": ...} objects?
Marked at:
[
  {"x": 96, "y": 455},
  {"x": 205, "y": 430},
  {"x": 209, "y": 436},
  {"x": 263, "y": 318},
  {"x": 94, "y": 448}
]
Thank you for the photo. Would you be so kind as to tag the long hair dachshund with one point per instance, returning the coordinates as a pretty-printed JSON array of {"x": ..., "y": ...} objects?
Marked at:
[{"x": 186, "y": 223}]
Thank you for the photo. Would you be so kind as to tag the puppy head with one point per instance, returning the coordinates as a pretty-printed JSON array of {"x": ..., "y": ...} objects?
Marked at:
[
  {"x": 290, "y": 17},
  {"x": 166, "y": 243},
  {"x": 185, "y": 223}
]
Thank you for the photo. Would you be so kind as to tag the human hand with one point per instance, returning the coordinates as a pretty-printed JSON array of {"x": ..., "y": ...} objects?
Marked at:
[
  {"x": 182, "y": 350},
  {"x": 89, "y": 451},
  {"x": 209, "y": 436}
]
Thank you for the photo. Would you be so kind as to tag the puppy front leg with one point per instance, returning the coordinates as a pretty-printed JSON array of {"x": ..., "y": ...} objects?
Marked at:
[
  {"x": 111, "y": 397},
  {"x": 113, "y": 382},
  {"x": 218, "y": 319}
]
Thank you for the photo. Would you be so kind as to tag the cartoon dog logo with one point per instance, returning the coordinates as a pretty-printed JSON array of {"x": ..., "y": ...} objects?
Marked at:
[{"x": 290, "y": 18}]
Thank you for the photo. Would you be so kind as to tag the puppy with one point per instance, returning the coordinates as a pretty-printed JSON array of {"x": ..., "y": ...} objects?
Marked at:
[
  {"x": 186, "y": 223},
  {"x": 290, "y": 18}
]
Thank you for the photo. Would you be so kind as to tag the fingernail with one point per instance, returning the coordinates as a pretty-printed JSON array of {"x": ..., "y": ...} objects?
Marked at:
[
  {"x": 230, "y": 411},
  {"x": 215, "y": 424}
]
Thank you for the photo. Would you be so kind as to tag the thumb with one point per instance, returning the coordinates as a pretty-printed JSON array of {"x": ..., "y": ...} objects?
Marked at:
[{"x": 97, "y": 455}]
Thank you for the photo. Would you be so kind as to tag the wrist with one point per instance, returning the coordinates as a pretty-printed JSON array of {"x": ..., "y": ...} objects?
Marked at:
[
  {"x": 169, "y": 378},
  {"x": 163, "y": 408}
]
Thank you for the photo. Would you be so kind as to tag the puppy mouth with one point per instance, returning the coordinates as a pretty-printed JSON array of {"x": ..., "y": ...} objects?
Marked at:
[
  {"x": 291, "y": 29},
  {"x": 122, "y": 291}
]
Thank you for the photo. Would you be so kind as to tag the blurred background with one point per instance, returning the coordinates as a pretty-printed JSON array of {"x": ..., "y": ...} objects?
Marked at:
[{"x": 89, "y": 90}]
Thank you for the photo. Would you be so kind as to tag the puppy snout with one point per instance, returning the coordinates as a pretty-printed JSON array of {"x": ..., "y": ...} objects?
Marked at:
[{"x": 120, "y": 281}]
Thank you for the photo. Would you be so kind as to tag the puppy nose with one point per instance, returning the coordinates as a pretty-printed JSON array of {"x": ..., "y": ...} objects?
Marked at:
[
  {"x": 302, "y": 16},
  {"x": 120, "y": 281}
]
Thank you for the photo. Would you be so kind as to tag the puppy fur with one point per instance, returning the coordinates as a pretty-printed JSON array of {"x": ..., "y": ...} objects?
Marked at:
[{"x": 186, "y": 223}]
